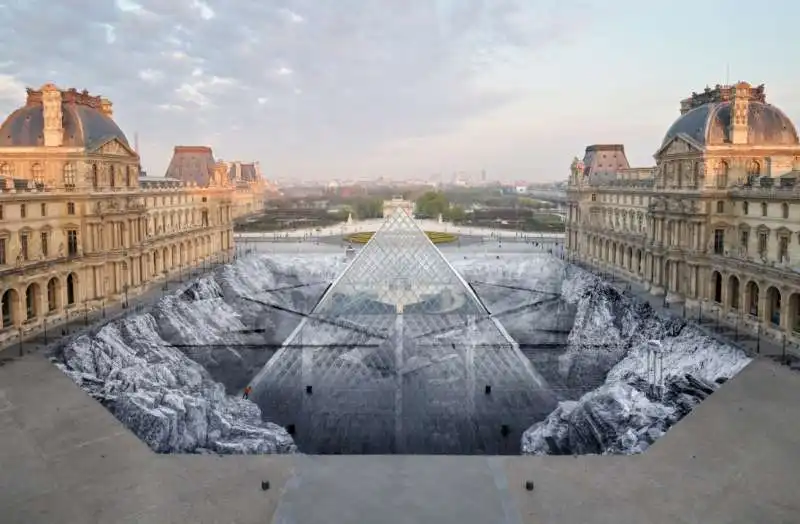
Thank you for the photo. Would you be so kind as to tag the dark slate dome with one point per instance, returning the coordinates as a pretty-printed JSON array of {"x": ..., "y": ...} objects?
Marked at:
[
  {"x": 710, "y": 124},
  {"x": 84, "y": 126}
]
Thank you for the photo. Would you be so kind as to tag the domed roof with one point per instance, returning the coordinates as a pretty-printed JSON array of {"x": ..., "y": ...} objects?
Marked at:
[
  {"x": 709, "y": 124},
  {"x": 84, "y": 126}
]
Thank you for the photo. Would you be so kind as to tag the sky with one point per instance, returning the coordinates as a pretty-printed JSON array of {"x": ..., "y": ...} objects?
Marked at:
[{"x": 343, "y": 89}]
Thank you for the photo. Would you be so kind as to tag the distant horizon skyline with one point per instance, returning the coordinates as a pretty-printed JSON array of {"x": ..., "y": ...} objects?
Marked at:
[{"x": 319, "y": 91}]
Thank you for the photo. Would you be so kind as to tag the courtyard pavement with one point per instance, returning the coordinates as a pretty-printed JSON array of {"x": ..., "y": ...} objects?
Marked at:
[{"x": 65, "y": 459}]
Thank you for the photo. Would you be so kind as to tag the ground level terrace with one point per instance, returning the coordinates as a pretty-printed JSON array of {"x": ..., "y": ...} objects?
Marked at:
[
  {"x": 50, "y": 292},
  {"x": 428, "y": 225},
  {"x": 752, "y": 296},
  {"x": 67, "y": 459}
]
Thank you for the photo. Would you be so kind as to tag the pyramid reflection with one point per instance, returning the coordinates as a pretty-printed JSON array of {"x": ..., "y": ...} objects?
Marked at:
[{"x": 400, "y": 356}]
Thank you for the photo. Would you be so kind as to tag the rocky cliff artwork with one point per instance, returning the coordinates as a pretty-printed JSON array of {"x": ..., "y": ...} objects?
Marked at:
[{"x": 173, "y": 374}]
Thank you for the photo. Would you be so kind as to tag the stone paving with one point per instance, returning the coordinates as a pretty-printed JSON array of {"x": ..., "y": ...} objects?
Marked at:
[{"x": 65, "y": 459}]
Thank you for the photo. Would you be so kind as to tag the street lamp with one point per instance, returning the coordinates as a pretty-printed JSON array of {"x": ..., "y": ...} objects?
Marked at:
[{"x": 125, "y": 285}]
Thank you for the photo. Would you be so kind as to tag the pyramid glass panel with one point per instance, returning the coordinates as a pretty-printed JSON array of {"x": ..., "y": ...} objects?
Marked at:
[{"x": 401, "y": 356}]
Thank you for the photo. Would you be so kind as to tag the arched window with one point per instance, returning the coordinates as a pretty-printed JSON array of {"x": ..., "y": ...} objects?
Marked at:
[
  {"x": 6, "y": 170},
  {"x": 71, "y": 289},
  {"x": 37, "y": 173},
  {"x": 69, "y": 176},
  {"x": 9, "y": 308},
  {"x": 30, "y": 301},
  {"x": 763, "y": 209},
  {"x": 754, "y": 168},
  {"x": 52, "y": 294}
]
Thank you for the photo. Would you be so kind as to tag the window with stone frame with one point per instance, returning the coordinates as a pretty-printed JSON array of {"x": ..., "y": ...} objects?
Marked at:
[
  {"x": 783, "y": 248},
  {"x": 722, "y": 175},
  {"x": 745, "y": 207},
  {"x": 720, "y": 206},
  {"x": 719, "y": 241},
  {"x": 763, "y": 241},
  {"x": 744, "y": 241},
  {"x": 23, "y": 246},
  {"x": 2, "y": 251},
  {"x": 45, "y": 237},
  {"x": 785, "y": 210},
  {"x": 37, "y": 173},
  {"x": 72, "y": 242},
  {"x": 69, "y": 176},
  {"x": 764, "y": 209}
]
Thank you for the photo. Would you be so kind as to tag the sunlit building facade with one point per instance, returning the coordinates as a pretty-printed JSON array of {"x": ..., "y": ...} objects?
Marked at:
[
  {"x": 716, "y": 222},
  {"x": 79, "y": 228}
]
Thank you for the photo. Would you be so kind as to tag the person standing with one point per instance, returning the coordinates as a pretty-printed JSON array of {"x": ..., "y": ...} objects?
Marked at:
[{"x": 247, "y": 391}]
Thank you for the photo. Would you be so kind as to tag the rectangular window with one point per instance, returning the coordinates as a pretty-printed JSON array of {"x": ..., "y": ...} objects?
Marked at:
[
  {"x": 70, "y": 208},
  {"x": 23, "y": 243},
  {"x": 23, "y": 211},
  {"x": 72, "y": 243},
  {"x": 762, "y": 243},
  {"x": 1, "y": 212},
  {"x": 45, "y": 247},
  {"x": 2, "y": 251},
  {"x": 783, "y": 249},
  {"x": 44, "y": 209},
  {"x": 744, "y": 240},
  {"x": 719, "y": 241}
]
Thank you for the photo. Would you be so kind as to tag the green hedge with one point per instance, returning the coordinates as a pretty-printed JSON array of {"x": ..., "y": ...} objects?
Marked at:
[{"x": 436, "y": 237}]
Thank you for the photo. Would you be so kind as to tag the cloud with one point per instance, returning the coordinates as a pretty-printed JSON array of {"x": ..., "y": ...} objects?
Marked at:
[
  {"x": 343, "y": 77},
  {"x": 151, "y": 75}
]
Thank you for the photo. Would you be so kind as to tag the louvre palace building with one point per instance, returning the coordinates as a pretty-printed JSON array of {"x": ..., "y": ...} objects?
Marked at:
[
  {"x": 81, "y": 227},
  {"x": 714, "y": 224}
]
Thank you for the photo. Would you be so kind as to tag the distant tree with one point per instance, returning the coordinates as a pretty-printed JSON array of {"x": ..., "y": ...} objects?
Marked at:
[
  {"x": 456, "y": 214},
  {"x": 366, "y": 208},
  {"x": 432, "y": 204}
]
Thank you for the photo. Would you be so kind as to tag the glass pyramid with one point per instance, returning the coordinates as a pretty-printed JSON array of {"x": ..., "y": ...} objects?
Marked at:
[{"x": 401, "y": 356}]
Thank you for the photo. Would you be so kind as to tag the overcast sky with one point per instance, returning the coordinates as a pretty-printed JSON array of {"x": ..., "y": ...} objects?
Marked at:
[{"x": 401, "y": 88}]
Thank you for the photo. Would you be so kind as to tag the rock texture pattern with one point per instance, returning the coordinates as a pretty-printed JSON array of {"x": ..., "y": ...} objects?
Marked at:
[
  {"x": 610, "y": 343},
  {"x": 162, "y": 392}
]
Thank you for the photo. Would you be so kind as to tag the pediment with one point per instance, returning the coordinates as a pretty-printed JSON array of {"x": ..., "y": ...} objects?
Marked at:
[
  {"x": 114, "y": 147},
  {"x": 679, "y": 145}
]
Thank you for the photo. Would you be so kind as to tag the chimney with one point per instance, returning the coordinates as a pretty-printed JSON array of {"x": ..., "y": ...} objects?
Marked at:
[
  {"x": 739, "y": 108},
  {"x": 53, "y": 116},
  {"x": 686, "y": 105},
  {"x": 106, "y": 107}
]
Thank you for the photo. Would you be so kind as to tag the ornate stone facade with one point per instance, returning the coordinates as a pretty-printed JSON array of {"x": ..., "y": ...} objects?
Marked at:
[
  {"x": 196, "y": 165},
  {"x": 717, "y": 220},
  {"x": 77, "y": 228}
]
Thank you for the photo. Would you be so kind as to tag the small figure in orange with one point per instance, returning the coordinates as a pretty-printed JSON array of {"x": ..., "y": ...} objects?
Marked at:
[{"x": 247, "y": 391}]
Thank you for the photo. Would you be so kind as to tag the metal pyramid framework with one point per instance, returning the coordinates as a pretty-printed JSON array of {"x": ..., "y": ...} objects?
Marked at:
[{"x": 400, "y": 356}]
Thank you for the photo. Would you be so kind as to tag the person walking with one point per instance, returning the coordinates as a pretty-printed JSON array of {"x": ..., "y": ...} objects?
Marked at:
[{"x": 247, "y": 391}]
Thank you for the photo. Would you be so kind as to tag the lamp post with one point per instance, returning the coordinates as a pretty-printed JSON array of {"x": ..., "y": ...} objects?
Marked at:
[{"x": 125, "y": 285}]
